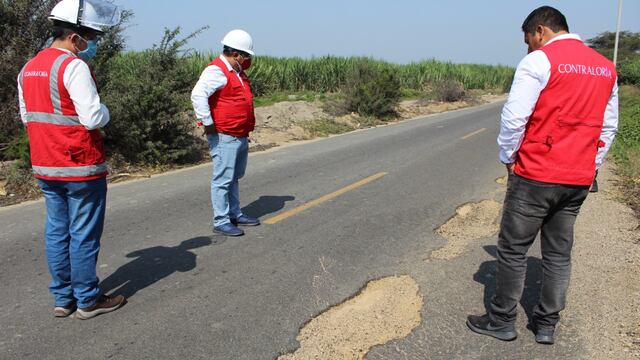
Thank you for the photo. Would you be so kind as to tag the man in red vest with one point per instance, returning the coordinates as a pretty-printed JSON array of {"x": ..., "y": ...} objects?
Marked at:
[
  {"x": 557, "y": 126},
  {"x": 61, "y": 108},
  {"x": 223, "y": 103}
]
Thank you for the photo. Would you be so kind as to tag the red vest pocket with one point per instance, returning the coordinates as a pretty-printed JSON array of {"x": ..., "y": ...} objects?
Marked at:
[{"x": 575, "y": 142}]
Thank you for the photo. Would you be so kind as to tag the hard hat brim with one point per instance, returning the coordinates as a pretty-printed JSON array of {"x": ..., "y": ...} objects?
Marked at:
[{"x": 250, "y": 52}]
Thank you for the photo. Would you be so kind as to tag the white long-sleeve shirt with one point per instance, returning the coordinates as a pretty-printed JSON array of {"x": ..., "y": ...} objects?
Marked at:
[
  {"x": 532, "y": 75},
  {"x": 84, "y": 94},
  {"x": 211, "y": 80}
]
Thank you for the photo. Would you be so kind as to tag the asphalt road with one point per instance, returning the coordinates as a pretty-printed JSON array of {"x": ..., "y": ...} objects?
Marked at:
[{"x": 195, "y": 295}]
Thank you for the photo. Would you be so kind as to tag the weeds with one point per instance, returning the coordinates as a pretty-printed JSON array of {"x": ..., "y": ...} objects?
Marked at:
[
  {"x": 449, "y": 90},
  {"x": 626, "y": 148},
  {"x": 326, "y": 127}
]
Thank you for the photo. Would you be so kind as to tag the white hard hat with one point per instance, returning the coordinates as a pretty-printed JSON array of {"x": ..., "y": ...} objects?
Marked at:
[
  {"x": 239, "y": 40},
  {"x": 92, "y": 14}
]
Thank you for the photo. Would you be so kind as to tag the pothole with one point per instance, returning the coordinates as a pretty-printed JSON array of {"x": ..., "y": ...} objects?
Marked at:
[
  {"x": 472, "y": 221},
  {"x": 385, "y": 310}
]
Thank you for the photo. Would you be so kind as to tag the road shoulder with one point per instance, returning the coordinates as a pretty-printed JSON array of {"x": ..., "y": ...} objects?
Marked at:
[{"x": 604, "y": 299}]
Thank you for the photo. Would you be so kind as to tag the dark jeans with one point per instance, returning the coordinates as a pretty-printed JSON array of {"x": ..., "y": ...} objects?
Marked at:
[{"x": 531, "y": 206}]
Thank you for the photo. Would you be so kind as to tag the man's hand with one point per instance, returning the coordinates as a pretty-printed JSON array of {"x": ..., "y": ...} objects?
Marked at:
[
  {"x": 594, "y": 185},
  {"x": 209, "y": 129},
  {"x": 509, "y": 168}
]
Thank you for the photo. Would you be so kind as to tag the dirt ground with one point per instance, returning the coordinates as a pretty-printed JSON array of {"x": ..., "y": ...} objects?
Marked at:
[
  {"x": 604, "y": 298},
  {"x": 471, "y": 221},
  {"x": 384, "y": 310}
]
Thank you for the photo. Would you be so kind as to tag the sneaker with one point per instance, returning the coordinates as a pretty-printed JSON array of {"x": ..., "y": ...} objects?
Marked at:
[
  {"x": 228, "y": 229},
  {"x": 545, "y": 335},
  {"x": 64, "y": 311},
  {"x": 245, "y": 220},
  {"x": 483, "y": 325},
  {"x": 104, "y": 305}
]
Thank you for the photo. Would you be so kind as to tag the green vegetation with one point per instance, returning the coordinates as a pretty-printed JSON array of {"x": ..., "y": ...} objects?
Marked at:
[
  {"x": 148, "y": 95},
  {"x": 330, "y": 73},
  {"x": 626, "y": 148},
  {"x": 270, "y": 99},
  {"x": 629, "y": 72},
  {"x": 628, "y": 46},
  {"x": 449, "y": 91},
  {"x": 372, "y": 91},
  {"x": 325, "y": 127},
  {"x": 23, "y": 31}
]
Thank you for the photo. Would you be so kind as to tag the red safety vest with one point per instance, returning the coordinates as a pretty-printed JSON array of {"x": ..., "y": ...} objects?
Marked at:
[
  {"x": 61, "y": 148},
  {"x": 562, "y": 136},
  {"x": 232, "y": 106}
]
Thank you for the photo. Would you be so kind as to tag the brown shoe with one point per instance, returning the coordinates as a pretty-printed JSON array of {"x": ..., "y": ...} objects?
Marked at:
[
  {"x": 64, "y": 311},
  {"x": 104, "y": 305}
]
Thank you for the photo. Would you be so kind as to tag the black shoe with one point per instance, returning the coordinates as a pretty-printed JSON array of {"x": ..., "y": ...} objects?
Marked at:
[
  {"x": 545, "y": 335},
  {"x": 483, "y": 325}
]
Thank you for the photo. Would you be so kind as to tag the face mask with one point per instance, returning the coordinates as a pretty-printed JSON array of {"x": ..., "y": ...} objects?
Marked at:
[
  {"x": 246, "y": 64},
  {"x": 91, "y": 50}
]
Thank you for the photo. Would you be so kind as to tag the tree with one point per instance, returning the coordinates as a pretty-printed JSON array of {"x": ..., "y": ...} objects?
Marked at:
[
  {"x": 628, "y": 46},
  {"x": 24, "y": 30}
]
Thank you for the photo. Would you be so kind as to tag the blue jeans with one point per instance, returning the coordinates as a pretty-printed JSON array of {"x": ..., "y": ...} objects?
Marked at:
[
  {"x": 75, "y": 219},
  {"x": 229, "y": 155}
]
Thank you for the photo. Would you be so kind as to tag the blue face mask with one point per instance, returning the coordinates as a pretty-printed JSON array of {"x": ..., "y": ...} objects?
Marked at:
[{"x": 91, "y": 50}]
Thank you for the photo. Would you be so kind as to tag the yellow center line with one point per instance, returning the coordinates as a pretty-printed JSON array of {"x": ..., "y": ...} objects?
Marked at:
[
  {"x": 325, "y": 198},
  {"x": 473, "y": 133}
]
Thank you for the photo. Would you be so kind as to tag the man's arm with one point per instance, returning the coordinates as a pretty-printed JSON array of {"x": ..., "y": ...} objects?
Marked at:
[
  {"x": 609, "y": 126},
  {"x": 21, "y": 104},
  {"x": 530, "y": 79},
  {"x": 211, "y": 80},
  {"x": 84, "y": 94}
]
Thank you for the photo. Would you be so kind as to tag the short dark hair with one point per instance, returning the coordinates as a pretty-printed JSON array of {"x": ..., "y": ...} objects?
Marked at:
[
  {"x": 545, "y": 16},
  {"x": 61, "y": 30}
]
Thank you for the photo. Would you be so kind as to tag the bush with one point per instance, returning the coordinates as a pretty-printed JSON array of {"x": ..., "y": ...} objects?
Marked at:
[
  {"x": 336, "y": 107},
  {"x": 148, "y": 96},
  {"x": 18, "y": 149},
  {"x": 326, "y": 127},
  {"x": 372, "y": 91},
  {"x": 449, "y": 91},
  {"x": 629, "y": 72}
]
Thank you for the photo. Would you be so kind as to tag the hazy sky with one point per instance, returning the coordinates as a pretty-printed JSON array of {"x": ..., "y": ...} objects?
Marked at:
[{"x": 472, "y": 31}]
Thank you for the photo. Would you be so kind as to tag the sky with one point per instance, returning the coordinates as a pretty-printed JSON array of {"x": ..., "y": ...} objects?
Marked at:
[{"x": 401, "y": 31}]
